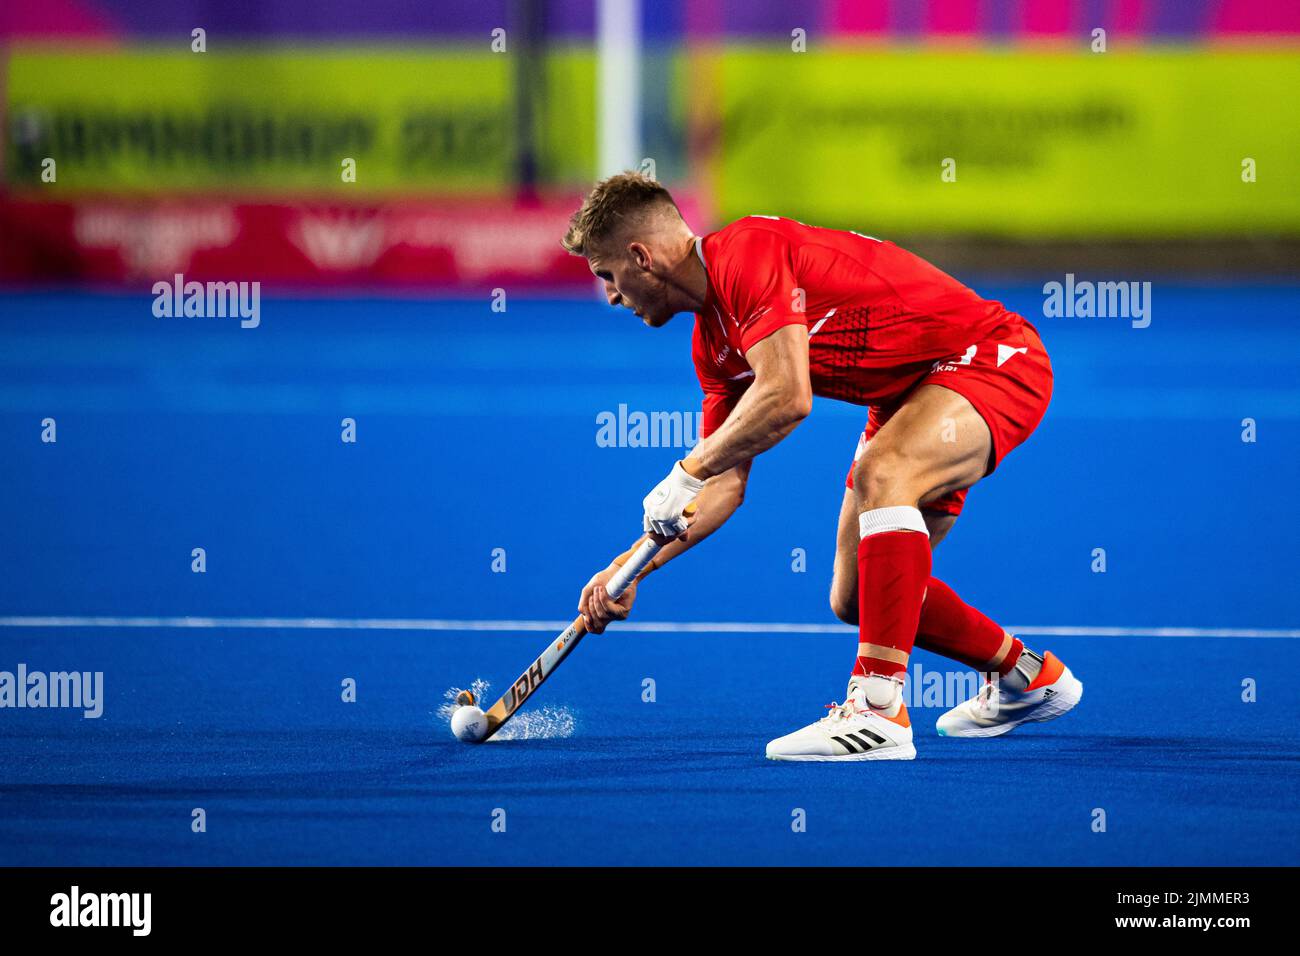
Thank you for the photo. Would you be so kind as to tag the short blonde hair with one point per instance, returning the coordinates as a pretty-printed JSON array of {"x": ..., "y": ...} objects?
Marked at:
[{"x": 614, "y": 202}]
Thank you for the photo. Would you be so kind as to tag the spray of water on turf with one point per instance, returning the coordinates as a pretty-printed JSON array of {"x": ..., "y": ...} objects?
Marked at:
[{"x": 530, "y": 723}]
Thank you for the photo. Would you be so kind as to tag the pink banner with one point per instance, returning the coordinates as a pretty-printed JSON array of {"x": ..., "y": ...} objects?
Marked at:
[{"x": 445, "y": 244}]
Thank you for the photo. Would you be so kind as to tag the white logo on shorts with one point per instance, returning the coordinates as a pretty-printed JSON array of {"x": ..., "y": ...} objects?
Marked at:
[
  {"x": 1006, "y": 351},
  {"x": 944, "y": 365}
]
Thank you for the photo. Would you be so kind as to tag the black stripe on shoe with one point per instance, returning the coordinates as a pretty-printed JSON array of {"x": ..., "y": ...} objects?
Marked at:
[
  {"x": 849, "y": 748},
  {"x": 874, "y": 736},
  {"x": 865, "y": 746}
]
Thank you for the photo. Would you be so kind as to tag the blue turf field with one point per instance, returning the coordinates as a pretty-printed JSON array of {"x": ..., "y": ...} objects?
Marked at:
[{"x": 183, "y": 433}]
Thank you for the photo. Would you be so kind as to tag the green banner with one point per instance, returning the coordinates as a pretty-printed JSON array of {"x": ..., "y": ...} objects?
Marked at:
[
  {"x": 1015, "y": 143},
  {"x": 143, "y": 119}
]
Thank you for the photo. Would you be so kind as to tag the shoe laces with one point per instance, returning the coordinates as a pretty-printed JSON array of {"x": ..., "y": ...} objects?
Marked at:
[
  {"x": 839, "y": 712},
  {"x": 985, "y": 699}
]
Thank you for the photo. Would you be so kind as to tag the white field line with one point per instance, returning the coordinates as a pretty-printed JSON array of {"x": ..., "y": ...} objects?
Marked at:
[{"x": 667, "y": 627}]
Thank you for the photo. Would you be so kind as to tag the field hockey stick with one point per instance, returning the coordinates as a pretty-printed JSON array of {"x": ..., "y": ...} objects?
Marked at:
[{"x": 565, "y": 642}]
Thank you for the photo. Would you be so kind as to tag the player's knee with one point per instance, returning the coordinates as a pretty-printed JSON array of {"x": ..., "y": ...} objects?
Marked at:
[{"x": 885, "y": 478}]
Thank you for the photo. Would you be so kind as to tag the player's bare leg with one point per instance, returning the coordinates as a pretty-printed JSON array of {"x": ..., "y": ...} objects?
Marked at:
[
  {"x": 934, "y": 444},
  {"x": 1021, "y": 685}
]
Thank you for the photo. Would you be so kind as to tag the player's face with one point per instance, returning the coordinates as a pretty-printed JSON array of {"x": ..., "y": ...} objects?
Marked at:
[{"x": 633, "y": 285}]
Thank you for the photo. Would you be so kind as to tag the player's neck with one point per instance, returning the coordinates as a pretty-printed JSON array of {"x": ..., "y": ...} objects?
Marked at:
[{"x": 691, "y": 280}]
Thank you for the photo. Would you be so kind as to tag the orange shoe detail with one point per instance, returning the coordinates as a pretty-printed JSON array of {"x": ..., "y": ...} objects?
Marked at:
[
  {"x": 1051, "y": 672},
  {"x": 900, "y": 718}
]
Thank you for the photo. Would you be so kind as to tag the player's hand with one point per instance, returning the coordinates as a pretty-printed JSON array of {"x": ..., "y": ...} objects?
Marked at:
[
  {"x": 597, "y": 608},
  {"x": 665, "y": 504}
]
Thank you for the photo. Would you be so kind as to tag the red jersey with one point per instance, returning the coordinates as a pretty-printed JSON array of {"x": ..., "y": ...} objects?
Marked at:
[{"x": 878, "y": 317}]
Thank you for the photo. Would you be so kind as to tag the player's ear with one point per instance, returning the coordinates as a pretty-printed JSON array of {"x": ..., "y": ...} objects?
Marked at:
[{"x": 640, "y": 254}]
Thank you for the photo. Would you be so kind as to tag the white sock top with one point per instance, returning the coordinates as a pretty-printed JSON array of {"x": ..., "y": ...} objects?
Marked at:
[{"x": 895, "y": 518}]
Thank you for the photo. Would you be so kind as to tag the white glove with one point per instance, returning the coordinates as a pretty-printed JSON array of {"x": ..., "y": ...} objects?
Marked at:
[{"x": 664, "y": 505}]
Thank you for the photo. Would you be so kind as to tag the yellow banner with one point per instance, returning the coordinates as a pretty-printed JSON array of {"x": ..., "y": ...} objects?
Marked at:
[
  {"x": 144, "y": 119},
  {"x": 1019, "y": 143}
]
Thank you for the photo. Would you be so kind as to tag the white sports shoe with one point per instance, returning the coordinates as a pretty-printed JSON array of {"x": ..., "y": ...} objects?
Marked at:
[
  {"x": 851, "y": 731},
  {"x": 995, "y": 710}
]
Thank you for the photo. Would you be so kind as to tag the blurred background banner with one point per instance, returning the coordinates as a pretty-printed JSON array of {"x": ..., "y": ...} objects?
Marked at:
[
  {"x": 1040, "y": 144},
  {"x": 268, "y": 119},
  {"x": 443, "y": 144}
]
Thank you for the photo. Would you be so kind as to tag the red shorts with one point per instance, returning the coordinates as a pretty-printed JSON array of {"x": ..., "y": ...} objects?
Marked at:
[{"x": 1007, "y": 377}]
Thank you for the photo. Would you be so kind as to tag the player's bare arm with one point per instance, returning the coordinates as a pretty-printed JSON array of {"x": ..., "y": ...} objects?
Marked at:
[
  {"x": 721, "y": 496},
  {"x": 770, "y": 409},
  {"x": 779, "y": 399}
]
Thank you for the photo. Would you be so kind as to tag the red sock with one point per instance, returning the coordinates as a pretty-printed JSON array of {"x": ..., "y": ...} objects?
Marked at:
[
  {"x": 951, "y": 627},
  {"x": 893, "y": 567}
]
